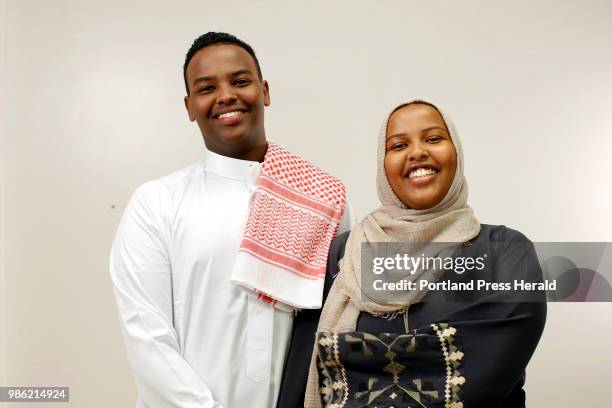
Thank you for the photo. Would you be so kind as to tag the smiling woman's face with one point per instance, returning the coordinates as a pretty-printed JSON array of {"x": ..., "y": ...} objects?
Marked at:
[{"x": 420, "y": 158}]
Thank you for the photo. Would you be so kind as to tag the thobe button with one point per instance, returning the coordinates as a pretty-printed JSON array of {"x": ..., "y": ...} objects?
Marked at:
[{"x": 253, "y": 177}]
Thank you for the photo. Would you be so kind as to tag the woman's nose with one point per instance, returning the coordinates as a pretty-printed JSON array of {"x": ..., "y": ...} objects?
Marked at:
[{"x": 418, "y": 152}]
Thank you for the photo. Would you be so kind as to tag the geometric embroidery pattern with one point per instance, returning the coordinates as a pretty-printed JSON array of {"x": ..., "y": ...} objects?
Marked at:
[
  {"x": 452, "y": 360},
  {"x": 418, "y": 369}
]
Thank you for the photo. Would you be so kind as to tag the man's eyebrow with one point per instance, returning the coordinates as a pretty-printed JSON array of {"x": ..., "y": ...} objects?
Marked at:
[
  {"x": 202, "y": 79},
  {"x": 241, "y": 71},
  {"x": 233, "y": 74}
]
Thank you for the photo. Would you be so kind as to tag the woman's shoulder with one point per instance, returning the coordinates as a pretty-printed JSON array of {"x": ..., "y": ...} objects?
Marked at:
[
  {"x": 500, "y": 233},
  {"x": 489, "y": 232},
  {"x": 513, "y": 255}
]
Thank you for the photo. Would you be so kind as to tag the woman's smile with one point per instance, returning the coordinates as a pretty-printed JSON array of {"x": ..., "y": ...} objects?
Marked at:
[
  {"x": 419, "y": 176},
  {"x": 420, "y": 159}
]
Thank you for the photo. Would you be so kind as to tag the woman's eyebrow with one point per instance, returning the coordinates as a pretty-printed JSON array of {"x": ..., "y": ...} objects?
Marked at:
[
  {"x": 432, "y": 128},
  {"x": 396, "y": 136}
]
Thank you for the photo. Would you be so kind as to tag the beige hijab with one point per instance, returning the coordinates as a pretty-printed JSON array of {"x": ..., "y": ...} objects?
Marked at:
[{"x": 450, "y": 221}]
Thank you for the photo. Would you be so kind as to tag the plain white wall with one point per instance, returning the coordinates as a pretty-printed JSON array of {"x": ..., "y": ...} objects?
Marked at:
[
  {"x": 3, "y": 334},
  {"x": 94, "y": 108}
]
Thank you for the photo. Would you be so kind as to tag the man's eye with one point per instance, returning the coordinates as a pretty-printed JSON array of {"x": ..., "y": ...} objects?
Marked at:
[
  {"x": 206, "y": 89},
  {"x": 242, "y": 82}
]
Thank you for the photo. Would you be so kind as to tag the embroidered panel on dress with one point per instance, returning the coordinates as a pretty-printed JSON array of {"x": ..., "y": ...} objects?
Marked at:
[{"x": 390, "y": 370}]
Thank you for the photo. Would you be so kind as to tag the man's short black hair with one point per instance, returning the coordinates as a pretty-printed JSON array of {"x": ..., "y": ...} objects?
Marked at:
[{"x": 212, "y": 38}]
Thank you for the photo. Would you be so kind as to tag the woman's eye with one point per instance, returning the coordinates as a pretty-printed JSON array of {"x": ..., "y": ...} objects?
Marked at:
[
  {"x": 434, "y": 139},
  {"x": 398, "y": 146}
]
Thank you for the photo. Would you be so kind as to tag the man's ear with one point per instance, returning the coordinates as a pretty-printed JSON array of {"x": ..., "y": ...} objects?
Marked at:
[
  {"x": 188, "y": 107},
  {"x": 266, "y": 92}
]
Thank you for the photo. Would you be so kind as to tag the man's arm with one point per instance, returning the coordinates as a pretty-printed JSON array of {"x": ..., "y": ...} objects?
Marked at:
[{"x": 140, "y": 271}]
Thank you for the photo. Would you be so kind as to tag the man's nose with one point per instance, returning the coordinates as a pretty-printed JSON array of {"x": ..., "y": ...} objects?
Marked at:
[{"x": 226, "y": 95}]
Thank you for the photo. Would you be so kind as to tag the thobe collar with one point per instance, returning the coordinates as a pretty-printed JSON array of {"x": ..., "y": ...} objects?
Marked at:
[{"x": 228, "y": 167}]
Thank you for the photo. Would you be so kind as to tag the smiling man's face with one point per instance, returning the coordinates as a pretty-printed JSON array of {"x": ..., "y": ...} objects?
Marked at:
[{"x": 227, "y": 98}]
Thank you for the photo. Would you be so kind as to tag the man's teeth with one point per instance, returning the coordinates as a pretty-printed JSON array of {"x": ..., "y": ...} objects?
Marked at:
[
  {"x": 421, "y": 172},
  {"x": 229, "y": 114}
]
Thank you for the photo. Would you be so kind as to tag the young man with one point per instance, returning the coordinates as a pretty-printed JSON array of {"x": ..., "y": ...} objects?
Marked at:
[{"x": 209, "y": 263}]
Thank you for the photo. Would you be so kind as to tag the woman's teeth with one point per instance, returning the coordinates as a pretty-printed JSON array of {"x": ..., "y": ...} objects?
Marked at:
[
  {"x": 421, "y": 172},
  {"x": 229, "y": 114}
]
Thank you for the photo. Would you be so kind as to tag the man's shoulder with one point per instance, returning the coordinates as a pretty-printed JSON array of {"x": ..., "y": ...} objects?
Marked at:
[
  {"x": 302, "y": 175},
  {"x": 172, "y": 182}
]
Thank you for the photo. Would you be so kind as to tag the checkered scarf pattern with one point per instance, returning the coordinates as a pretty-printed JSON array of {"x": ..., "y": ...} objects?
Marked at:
[{"x": 294, "y": 214}]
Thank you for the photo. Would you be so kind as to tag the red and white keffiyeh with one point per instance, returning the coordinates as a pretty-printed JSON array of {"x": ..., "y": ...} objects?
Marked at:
[{"x": 294, "y": 214}]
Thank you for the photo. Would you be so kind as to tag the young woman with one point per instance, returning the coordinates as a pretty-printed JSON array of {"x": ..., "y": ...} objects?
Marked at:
[{"x": 412, "y": 348}]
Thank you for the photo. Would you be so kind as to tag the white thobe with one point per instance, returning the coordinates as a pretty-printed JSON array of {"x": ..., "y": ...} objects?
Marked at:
[{"x": 193, "y": 338}]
